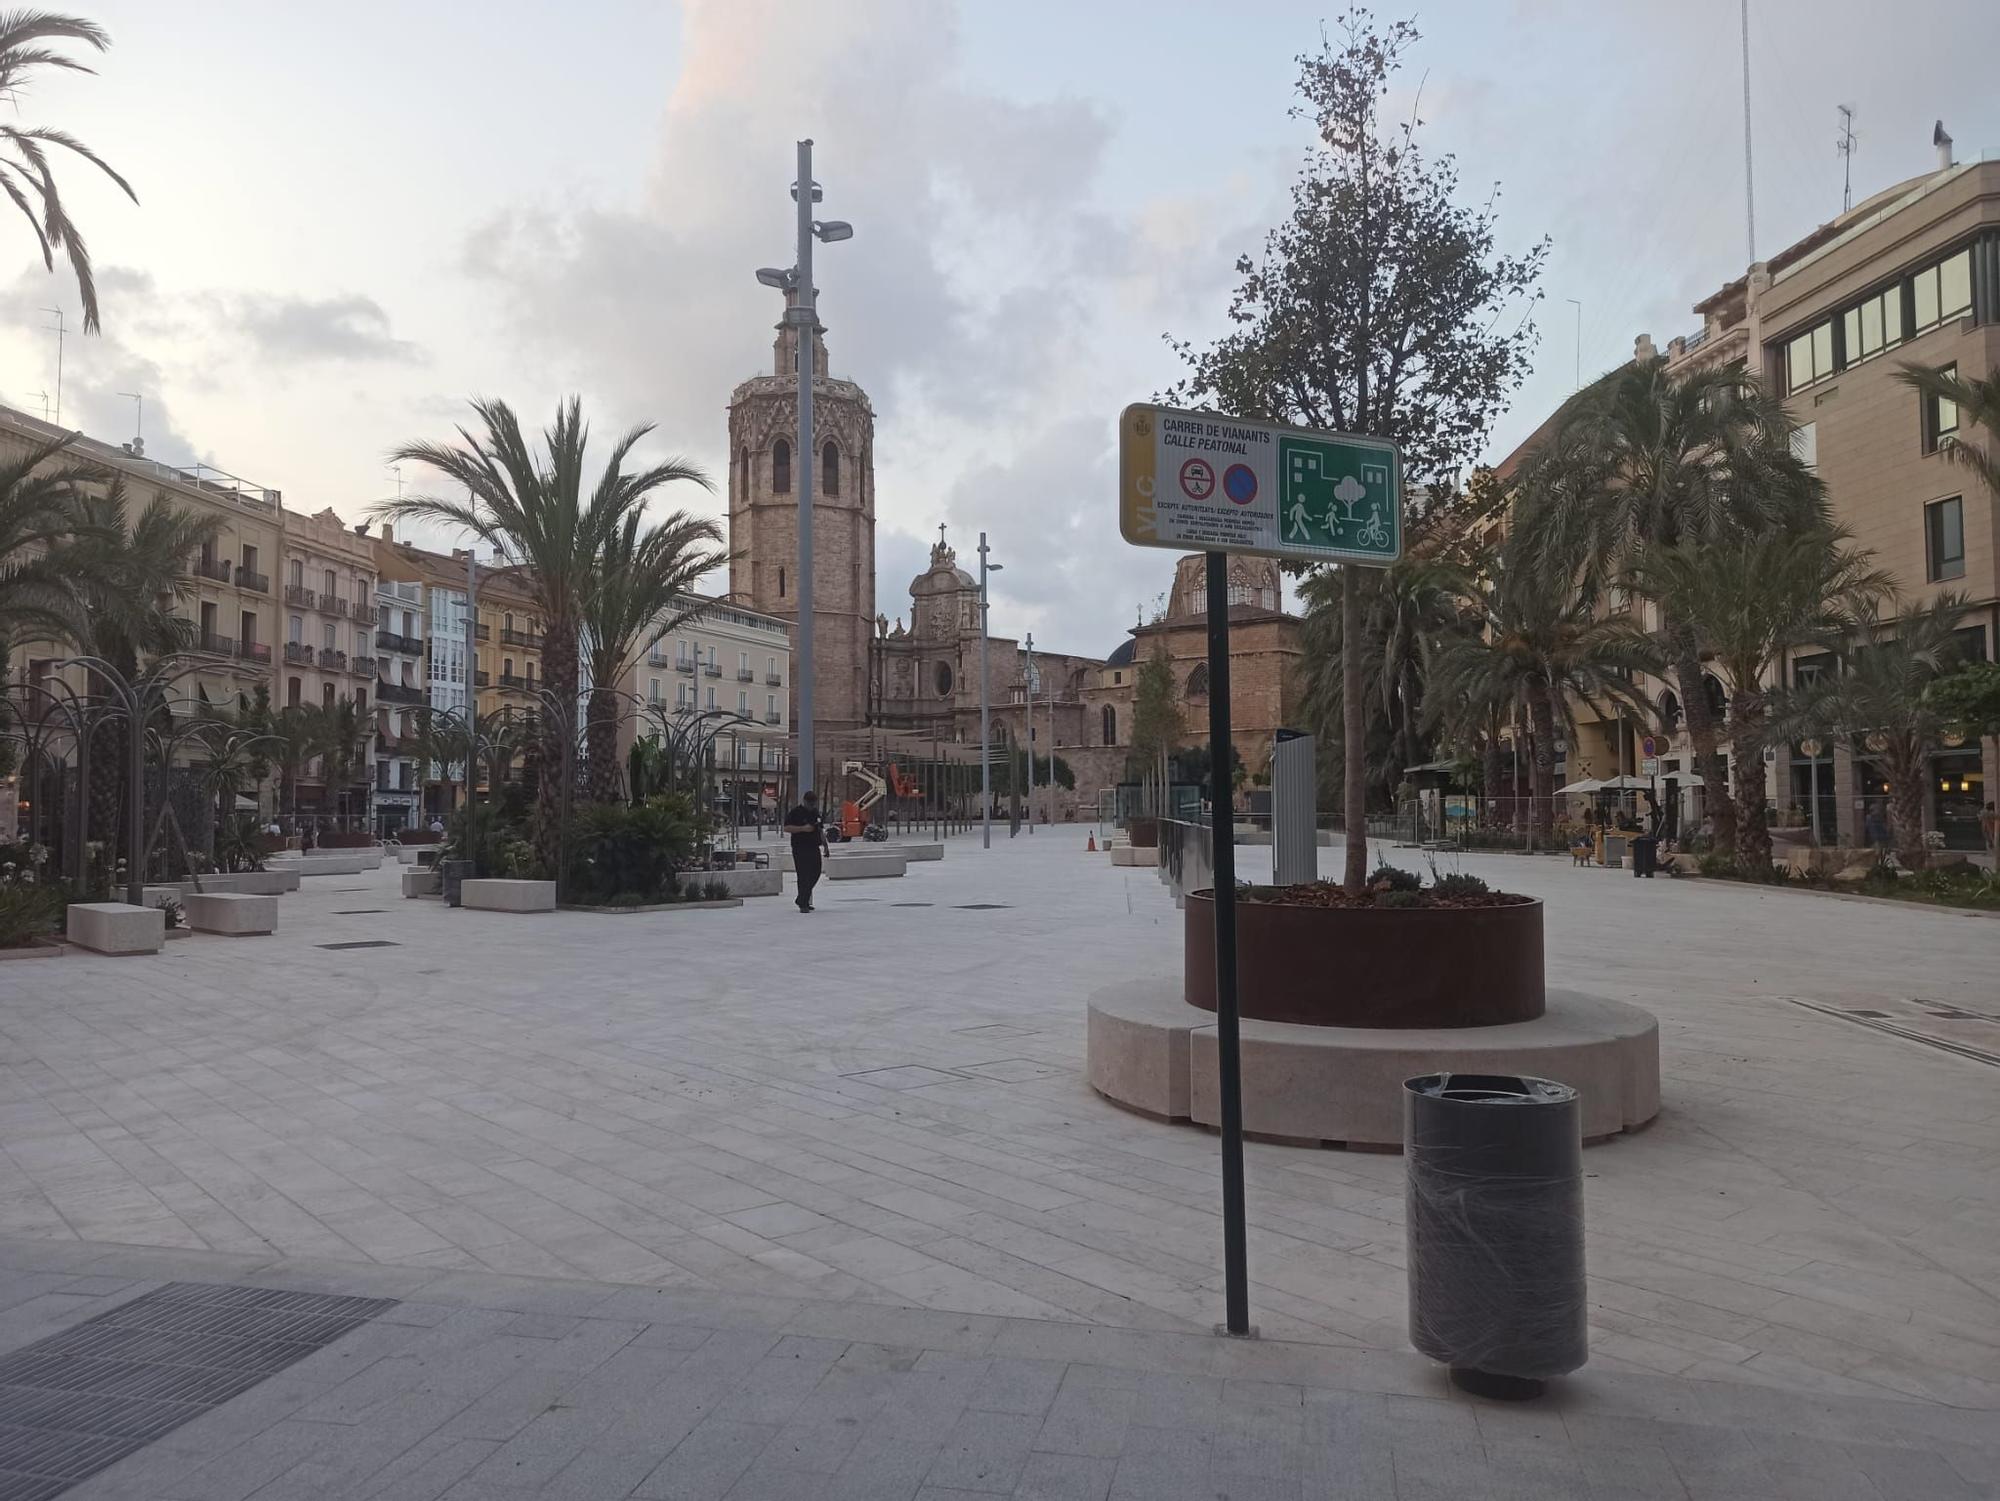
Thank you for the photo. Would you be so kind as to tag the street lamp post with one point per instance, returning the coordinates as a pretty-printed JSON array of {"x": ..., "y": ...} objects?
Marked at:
[
  {"x": 1031, "y": 731},
  {"x": 985, "y": 710},
  {"x": 802, "y": 314}
]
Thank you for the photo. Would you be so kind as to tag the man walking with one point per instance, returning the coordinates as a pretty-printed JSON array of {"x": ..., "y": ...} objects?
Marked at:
[{"x": 808, "y": 830}]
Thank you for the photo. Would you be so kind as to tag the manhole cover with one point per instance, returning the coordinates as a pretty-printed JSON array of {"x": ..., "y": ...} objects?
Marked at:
[
  {"x": 81, "y": 1400},
  {"x": 361, "y": 943}
]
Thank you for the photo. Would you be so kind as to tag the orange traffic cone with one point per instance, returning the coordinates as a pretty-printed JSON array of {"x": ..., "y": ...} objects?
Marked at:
[{"x": 1093, "y": 843}]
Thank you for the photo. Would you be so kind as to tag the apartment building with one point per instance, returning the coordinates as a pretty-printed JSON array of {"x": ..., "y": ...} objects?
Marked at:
[
  {"x": 1911, "y": 275},
  {"x": 227, "y": 601},
  {"x": 400, "y": 694},
  {"x": 510, "y": 644},
  {"x": 727, "y": 675},
  {"x": 435, "y": 584},
  {"x": 328, "y": 656}
]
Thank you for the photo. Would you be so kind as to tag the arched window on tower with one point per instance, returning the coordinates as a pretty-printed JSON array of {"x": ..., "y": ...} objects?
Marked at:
[
  {"x": 781, "y": 467},
  {"x": 1197, "y": 683},
  {"x": 743, "y": 472},
  {"x": 781, "y": 583},
  {"x": 1110, "y": 725},
  {"x": 829, "y": 470}
]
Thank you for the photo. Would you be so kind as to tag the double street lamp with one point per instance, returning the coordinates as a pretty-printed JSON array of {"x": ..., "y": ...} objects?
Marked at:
[
  {"x": 801, "y": 312},
  {"x": 986, "y": 566}
]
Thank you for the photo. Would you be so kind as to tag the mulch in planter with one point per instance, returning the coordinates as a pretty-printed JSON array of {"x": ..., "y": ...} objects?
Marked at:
[{"x": 1332, "y": 894}]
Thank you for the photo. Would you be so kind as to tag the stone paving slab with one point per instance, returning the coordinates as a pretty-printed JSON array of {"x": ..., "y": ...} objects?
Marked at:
[
  {"x": 475, "y": 1387},
  {"x": 886, "y": 1105}
]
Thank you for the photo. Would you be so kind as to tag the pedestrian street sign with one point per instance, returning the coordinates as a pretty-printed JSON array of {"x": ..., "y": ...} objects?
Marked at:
[{"x": 1205, "y": 482}]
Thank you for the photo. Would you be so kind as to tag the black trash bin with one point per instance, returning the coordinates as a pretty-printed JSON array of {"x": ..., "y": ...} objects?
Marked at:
[
  {"x": 1494, "y": 1204},
  {"x": 451, "y": 873},
  {"x": 1645, "y": 855}
]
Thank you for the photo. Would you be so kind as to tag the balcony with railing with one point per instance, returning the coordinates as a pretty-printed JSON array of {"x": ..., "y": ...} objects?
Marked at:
[
  {"x": 299, "y": 652},
  {"x": 710, "y": 670},
  {"x": 332, "y": 604},
  {"x": 391, "y": 641},
  {"x": 745, "y": 675},
  {"x": 481, "y": 679},
  {"x": 771, "y": 716},
  {"x": 401, "y": 693},
  {"x": 332, "y": 660},
  {"x": 484, "y": 632},
  {"x": 212, "y": 568},
  {"x": 684, "y": 665},
  {"x": 513, "y": 682},
  {"x": 362, "y": 666},
  {"x": 255, "y": 651},
  {"x": 528, "y": 639},
  {"x": 300, "y": 595},
  {"x": 214, "y": 645},
  {"x": 773, "y": 680},
  {"x": 247, "y": 579}
]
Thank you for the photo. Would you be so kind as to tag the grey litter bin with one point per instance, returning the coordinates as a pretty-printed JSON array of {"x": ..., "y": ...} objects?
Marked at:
[
  {"x": 451, "y": 873},
  {"x": 1494, "y": 1204}
]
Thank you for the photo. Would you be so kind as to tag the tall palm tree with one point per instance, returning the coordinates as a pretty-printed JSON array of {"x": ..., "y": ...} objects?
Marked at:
[
  {"x": 1978, "y": 402},
  {"x": 1538, "y": 651},
  {"x": 24, "y": 160},
  {"x": 343, "y": 743},
  {"x": 40, "y": 508},
  {"x": 534, "y": 513},
  {"x": 1648, "y": 459},
  {"x": 297, "y": 732},
  {"x": 1748, "y": 598},
  {"x": 1879, "y": 699},
  {"x": 645, "y": 589}
]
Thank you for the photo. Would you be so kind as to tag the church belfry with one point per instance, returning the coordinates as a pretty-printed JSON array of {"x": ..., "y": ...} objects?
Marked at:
[{"x": 763, "y": 517}]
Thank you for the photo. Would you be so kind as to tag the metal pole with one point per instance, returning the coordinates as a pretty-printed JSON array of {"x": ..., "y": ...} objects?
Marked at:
[
  {"x": 472, "y": 708},
  {"x": 985, "y": 717},
  {"x": 1749, "y": 184},
  {"x": 1031, "y": 732},
  {"x": 804, "y": 319},
  {"x": 135, "y": 791},
  {"x": 1235, "y": 1256}
]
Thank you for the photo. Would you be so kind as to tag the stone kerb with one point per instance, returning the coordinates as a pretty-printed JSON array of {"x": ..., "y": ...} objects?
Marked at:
[
  {"x": 115, "y": 928},
  {"x": 508, "y": 896},
  {"x": 872, "y": 865},
  {"x": 235, "y": 914}
]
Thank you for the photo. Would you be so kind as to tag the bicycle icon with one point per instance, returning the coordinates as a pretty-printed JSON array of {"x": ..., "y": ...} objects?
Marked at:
[{"x": 1374, "y": 532}]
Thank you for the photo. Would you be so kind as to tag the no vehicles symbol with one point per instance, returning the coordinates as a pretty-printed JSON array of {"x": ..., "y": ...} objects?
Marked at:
[{"x": 1197, "y": 479}]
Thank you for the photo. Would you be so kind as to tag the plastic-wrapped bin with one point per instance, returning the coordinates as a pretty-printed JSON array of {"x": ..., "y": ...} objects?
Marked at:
[{"x": 1494, "y": 1205}]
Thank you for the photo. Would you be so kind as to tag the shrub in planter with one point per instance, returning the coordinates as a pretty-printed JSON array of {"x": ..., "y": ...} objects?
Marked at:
[
  {"x": 29, "y": 907},
  {"x": 1388, "y": 877},
  {"x": 617, "y": 850}
]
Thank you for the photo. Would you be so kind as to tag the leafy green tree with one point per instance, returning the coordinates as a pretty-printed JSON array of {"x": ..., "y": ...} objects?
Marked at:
[
  {"x": 41, "y": 508},
  {"x": 1748, "y": 598},
  {"x": 1380, "y": 306},
  {"x": 25, "y": 172},
  {"x": 1157, "y": 727},
  {"x": 1881, "y": 699},
  {"x": 1969, "y": 699},
  {"x": 1196, "y": 763},
  {"x": 1646, "y": 459},
  {"x": 534, "y": 513},
  {"x": 644, "y": 590}
]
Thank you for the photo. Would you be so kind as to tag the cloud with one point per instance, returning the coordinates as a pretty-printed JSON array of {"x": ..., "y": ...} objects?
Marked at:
[{"x": 294, "y": 330}]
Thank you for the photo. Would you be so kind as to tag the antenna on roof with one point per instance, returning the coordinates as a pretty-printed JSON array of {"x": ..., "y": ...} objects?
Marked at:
[{"x": 1845, "y": 146}]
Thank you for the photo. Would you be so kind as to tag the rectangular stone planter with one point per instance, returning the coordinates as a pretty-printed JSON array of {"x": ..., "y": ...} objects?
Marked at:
[
  {"x": 743, "y": 882},
  {"x": 115, "y": 928},
  {"x": 421, "y": 883},
  {"x": 508, "y": 896},
  {"x": 236, "y": 914},
  {"x": 34, "y": 948},
  {"x": 872, "y": 866}
]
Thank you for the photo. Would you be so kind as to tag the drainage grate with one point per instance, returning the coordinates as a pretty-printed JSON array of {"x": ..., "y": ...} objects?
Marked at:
[
  {"x": 361, "y": 912},
  {"x": 1873, "y": 1015},
  {"x": 360, "y": 943},
  {"x": 984, "y": 907},
  {"x": 912, "y": 904},
  {"x": 81, "y": 1400}
]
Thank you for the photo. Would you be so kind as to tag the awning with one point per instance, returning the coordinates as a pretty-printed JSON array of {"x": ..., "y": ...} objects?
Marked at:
[{"x": 1588, "y": 784}]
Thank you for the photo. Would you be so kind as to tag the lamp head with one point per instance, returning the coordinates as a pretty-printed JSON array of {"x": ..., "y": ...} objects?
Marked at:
[
  {"x": 770, "y": 276},
  {"x": 831, "y": 231}
]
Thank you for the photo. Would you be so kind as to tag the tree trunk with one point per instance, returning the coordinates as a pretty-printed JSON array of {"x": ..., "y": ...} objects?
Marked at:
[
  {"x": 602, "y": 733},
  {"x": 1746, "y": 744},
  {"x": 1489, "y": 769},
  {"x": 1543, "y": 712},
  {"x": 559, "y": 666},
  {"x": 107, "y": 786},
  {"x": 1708, "y": 763},
  {"x": 1354, "y": 735},
  {"x": 1908, "y": 778}
]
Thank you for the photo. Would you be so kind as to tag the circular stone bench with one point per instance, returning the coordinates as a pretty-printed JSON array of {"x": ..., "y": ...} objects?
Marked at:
[
  {"x": 1152, "y": 1052},
  {"x": 866, "y": 865}
]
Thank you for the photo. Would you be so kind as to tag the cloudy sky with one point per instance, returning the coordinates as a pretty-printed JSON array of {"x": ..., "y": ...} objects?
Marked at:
[{"x": 353, "y": 217}]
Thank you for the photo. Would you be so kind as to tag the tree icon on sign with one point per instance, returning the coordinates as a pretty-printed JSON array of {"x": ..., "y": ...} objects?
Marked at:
[{"x": 1347, "y": 492}]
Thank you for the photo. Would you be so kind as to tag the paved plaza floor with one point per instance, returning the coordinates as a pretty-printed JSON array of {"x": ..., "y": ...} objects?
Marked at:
[{"x": 853, "y": 1152}]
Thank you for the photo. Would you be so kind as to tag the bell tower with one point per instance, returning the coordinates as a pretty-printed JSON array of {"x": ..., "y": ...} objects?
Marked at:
[{"x": 764, "y": 509}]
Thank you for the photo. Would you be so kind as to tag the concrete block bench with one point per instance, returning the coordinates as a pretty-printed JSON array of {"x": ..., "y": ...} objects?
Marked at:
[
  {"x": 873, "y": 865},
  {"x": 253, "y": 882},
  {"x": 508, "y": 896},
  {"x": 331, "y": 863},
  {"x": 421, "y": 883},
  {"x": 919, "y": 851},
  {"x": 237, "y": 914},
  {"x": 1126, "y": 854},
  {"x": 115, "y": 928}
]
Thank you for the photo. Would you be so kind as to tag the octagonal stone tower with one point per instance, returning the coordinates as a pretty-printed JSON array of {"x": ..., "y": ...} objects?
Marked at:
[{"x": 763, "y": 519}]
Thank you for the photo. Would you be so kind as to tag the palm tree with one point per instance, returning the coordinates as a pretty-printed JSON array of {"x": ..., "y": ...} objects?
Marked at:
[
  {"x": 343, "y": 741},
  {"x": 1648, "y": 459},
  {"x": 1538, "y": 650},
  {"x": 1880, "y": 699},
  {"x": 1748, "y": 598},
  {"x": 645, "y": 589},
  {"x": 40, "y": 508},
  {"x": 535, "y": 515},
  {"x": 24, "y": 162},
  {"x": 1978, "y": 403},
  {"x": 296, "y": 733}
]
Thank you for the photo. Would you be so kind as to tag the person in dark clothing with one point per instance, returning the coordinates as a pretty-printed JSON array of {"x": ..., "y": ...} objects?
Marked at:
[{"x": 807, "y": 826}]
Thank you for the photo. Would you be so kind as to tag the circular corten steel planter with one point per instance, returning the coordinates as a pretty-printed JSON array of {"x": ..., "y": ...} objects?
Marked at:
[{"x": 1373, "y": 967}]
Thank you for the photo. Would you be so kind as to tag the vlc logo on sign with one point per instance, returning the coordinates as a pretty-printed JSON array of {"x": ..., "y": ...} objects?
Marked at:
[{"x": 1283, "y": 492}]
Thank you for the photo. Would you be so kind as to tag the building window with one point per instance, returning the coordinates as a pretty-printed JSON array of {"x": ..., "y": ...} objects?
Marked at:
[
  {"x": 360, "y": 643},
  {"x": 781, "y": 467},
  {"x": 742, "y": 701},
  {"x": 711, "y": 698},
  {"x": 941, "y": 677},
  {"x": 292, "y": 689},
  {"x": 1941, "y": 292},
  {"x": 298, "y": 573},
  {"x": 330, "y": 637},
  {"x": 771, "y": 706},
  {"x": 1197, "y": 681},
  {"x": 1944, "y": 539},
  {"x": 1873, "y": 325},
  {"x": 681, "y": 658},
  {"x": 298, "y": 630},
  {"x": 1809, "y": 357},
  {"x": 332, "y": 585},
  {"x": 326, "y": 695},
  {"x": 743, "y": 472},
  {"x": 653, "y": 693},
  {"x": 771, "y": 668},
  {"x": 1110, "y": 725},
  {"x": 781, "y": 583},
  {"x": 829, "y": 470},
  {"x": 1940, "y": 415},
  {"x": 743, "y": 661},
  {"x": 1117, "y": 677},
  {"x": 1805, "y": 445}
]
